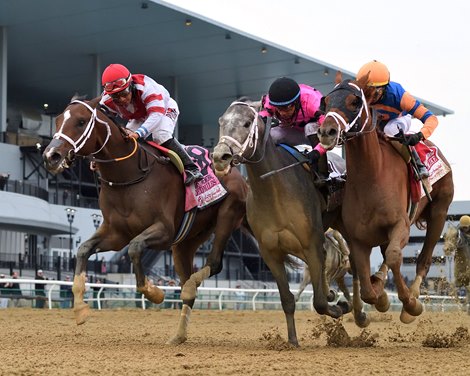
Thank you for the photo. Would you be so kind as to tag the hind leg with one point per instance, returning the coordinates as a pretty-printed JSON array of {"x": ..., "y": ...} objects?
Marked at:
[
  {"x": 183, "y": 256},
  {"x": 305, "y": 281}
]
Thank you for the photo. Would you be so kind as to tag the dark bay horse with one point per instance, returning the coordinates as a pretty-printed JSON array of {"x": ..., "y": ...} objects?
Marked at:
[
  {"x": 457, "y": 243},
  {"x": 284, "y": 211},
  {"x": 374, "y": 210},
  {"x": 142, "y": 200}
]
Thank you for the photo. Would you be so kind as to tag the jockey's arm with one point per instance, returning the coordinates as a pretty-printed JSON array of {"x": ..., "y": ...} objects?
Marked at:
[{"x": 417, "y": 110}]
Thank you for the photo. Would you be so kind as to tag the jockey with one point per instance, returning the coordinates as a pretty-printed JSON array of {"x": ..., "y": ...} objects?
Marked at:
[
  {"x": 297, "y": 107},
  {"x": 396, "y": 107},
  {"x": 149, "y": 110}
]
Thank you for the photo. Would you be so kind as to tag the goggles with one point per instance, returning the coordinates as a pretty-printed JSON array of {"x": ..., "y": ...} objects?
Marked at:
[{"x": 117, "y": 84}]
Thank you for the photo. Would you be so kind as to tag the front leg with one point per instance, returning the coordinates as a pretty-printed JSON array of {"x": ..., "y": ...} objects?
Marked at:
[{"x": 156, "y": 237}]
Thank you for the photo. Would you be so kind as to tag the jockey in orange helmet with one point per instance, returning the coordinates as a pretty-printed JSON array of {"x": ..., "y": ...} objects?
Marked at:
[
  {"x": 396, "y": 107},
  {"x": 148, "y": 108},
  {"x": 297, "y": 107}
]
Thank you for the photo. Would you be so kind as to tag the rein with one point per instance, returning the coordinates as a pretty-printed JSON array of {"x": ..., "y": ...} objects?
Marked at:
[{"x": 250, "y": 141}]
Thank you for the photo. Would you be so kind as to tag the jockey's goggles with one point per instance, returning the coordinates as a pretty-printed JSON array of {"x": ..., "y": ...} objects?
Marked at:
[
  {"x": 117, "y": 84},
  {"x": 286, "y": 107}
]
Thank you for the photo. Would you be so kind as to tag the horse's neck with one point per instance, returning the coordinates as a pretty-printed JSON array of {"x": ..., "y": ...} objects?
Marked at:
[{"x": 364, "y": 157}]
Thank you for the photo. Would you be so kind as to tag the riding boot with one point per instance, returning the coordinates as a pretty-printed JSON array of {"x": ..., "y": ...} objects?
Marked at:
[
  {"x": 192, "y": 172},
  {"x": 421, "y": 168}
]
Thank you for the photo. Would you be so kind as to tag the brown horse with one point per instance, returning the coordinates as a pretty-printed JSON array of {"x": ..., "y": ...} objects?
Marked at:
[
  {"x": 284, "y": 211},
  {"x": 457, "y": 243},
  {"x": 375, "y": 204},
  {"x": 142, "y": 199},
  {"x": 336, "y": 264}
]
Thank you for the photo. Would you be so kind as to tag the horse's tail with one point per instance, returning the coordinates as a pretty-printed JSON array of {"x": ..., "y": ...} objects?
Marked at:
[{"x": 450, "y": 240}]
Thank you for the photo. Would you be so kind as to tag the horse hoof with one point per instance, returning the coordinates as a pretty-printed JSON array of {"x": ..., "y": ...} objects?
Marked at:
[
  {"x": 82, "y": 312},
  {"x": 176, "y": 340},
  {"x": 332, "y": 295},
  {"x": 335, "y": 311},
  {"x": 155, "y": 295},
  {"x": 362, "y": 320},
  {"x": 345, "y": 306},
  {"x": 406, "y": 318},
  {"x": 383, "y": 304}
]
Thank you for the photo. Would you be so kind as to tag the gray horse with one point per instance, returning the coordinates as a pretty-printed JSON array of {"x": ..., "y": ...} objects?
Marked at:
[
  {"x": 284, "y": 211},
  {"x": 457, "y": 241}
]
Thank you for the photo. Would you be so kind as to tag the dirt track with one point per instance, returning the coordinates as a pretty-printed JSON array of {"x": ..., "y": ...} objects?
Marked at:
[{"x": 132, "y": 342}]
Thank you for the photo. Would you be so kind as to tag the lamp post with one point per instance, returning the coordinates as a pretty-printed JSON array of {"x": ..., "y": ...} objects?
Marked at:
[
  {"x": 96, "y": 222},
  {"x": 70, "y": 217}
]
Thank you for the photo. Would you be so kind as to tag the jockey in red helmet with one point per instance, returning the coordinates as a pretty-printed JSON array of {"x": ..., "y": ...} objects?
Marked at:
[
  {"x": 148, "y": 108},
  {"x": 297, "y": 107}
]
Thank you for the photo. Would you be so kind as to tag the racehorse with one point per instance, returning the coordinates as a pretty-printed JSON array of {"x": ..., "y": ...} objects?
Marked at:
[
  {"x": 375, "y": 203},
  {"x": 457, "y": 243},
  {"x": 142, "y": 200},
  {"x": 284, "y": 211},
  {"x": 336, "y": 265}
]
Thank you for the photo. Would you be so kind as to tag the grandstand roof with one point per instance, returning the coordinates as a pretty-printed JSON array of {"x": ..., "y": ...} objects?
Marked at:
[{"x": 56, "y": 48}]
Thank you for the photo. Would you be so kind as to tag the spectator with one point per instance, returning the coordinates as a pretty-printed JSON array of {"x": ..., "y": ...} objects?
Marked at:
[
  {"x": 15, "y": 291},
  {"x": 66, "y": 295},
  {"x": 240, "y": 295},
  {"x": 103, "y": 265},
  {"x": 3, "y": 292},
  {"x": 40, "y": 289},
  {"x": 174, "y": 295}
]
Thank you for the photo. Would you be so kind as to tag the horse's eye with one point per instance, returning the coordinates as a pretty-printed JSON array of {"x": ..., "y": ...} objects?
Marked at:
[
  {"x": 247, "y": 124},
  {"x": 81, "y": 123}
]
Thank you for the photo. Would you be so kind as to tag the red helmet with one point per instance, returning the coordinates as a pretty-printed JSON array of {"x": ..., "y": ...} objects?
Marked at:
[{"x": 115, "y": 78}]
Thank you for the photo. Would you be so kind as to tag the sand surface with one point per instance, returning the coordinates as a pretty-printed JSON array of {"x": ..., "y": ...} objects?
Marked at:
[{"x": 132, "y": 342}]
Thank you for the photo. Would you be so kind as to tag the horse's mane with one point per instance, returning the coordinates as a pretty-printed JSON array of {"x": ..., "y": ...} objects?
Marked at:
[{"x": 255, "y": 104}]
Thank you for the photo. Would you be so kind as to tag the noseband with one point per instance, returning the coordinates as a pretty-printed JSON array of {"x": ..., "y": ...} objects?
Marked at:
[{"x": 251, "y": 140}]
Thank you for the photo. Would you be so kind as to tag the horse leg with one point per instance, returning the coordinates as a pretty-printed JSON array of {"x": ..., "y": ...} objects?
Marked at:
[
  {"x": 275, "y": 263},
  {"x": 360, "y": 257},
  {"x": 183, "y": 256},
  {"x": 378, "y": 283},
  {"x": 360, "y": 317},
  {"x": 305, "y": 281},
  {"x": 81, "y": 310},
  {"x": 315, "y": 258},
  {"x": 393, "y": 258},
  {"x": 155, "y": 237}
]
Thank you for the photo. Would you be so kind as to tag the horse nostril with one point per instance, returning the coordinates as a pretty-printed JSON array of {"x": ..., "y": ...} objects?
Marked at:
[
  {"x": 226, "y": 156},
  {"x": 332, "y": 132}
]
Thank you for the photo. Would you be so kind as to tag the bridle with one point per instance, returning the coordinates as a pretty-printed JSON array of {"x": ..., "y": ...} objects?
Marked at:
[
  {"x": 251, "y": 141},
  {"x": 348, "y": 130},
  {"x": 84, "y": 137}
]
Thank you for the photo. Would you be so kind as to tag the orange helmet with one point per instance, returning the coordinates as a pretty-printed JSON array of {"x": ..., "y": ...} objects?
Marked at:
[
  {"x": 379, "y": 74},
  {"x": 115, "y": 78}
]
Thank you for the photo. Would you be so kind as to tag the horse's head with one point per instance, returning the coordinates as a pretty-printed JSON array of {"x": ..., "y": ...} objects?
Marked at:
[
  {"x": 238, "y": 136},
  {"x": 74, "y": 135},
  {"x": 346, "y": 110}
]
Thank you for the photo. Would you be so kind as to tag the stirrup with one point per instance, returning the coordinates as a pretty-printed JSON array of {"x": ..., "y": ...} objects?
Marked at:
[{"x": 192, "y": 176}]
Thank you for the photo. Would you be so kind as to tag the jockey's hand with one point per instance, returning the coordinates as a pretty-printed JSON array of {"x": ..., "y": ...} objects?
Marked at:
[
  {"x": 313, "y": 157},
  {"x": 93, "y": 166},
  {"x": 413, "y": 139},
  {"x": 132, "y": 134}
]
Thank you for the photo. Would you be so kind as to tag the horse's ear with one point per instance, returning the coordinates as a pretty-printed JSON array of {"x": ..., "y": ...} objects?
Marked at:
[
  {"x": 79, "y": 97},
  {"x": 362, "y": 82},
  {"x": 338, "y": 77},
  {"x": 322, "y": 105}
]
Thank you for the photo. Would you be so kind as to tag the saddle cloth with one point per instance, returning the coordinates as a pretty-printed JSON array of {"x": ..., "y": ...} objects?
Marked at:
[
  {"x": 204, "y": 192},
  {"x": 436, "y": 166}
]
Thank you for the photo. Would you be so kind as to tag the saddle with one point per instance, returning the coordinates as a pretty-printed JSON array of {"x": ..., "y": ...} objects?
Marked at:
[{"x": 331, "y": 186}]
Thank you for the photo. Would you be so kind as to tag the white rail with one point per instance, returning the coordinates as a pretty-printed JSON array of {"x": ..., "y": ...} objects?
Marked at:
[{"x": 224, "y": 297}]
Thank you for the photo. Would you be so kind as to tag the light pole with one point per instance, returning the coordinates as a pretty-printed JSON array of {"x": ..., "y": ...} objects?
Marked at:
[
  {"x": 70, "y": 217},
  {"x": 96, "y": 222}
]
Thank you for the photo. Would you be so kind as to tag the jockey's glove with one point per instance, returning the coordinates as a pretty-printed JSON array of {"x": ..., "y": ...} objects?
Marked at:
[
  {"x": 413, "y": 139},
  {"x": 313, "y": 157}
]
